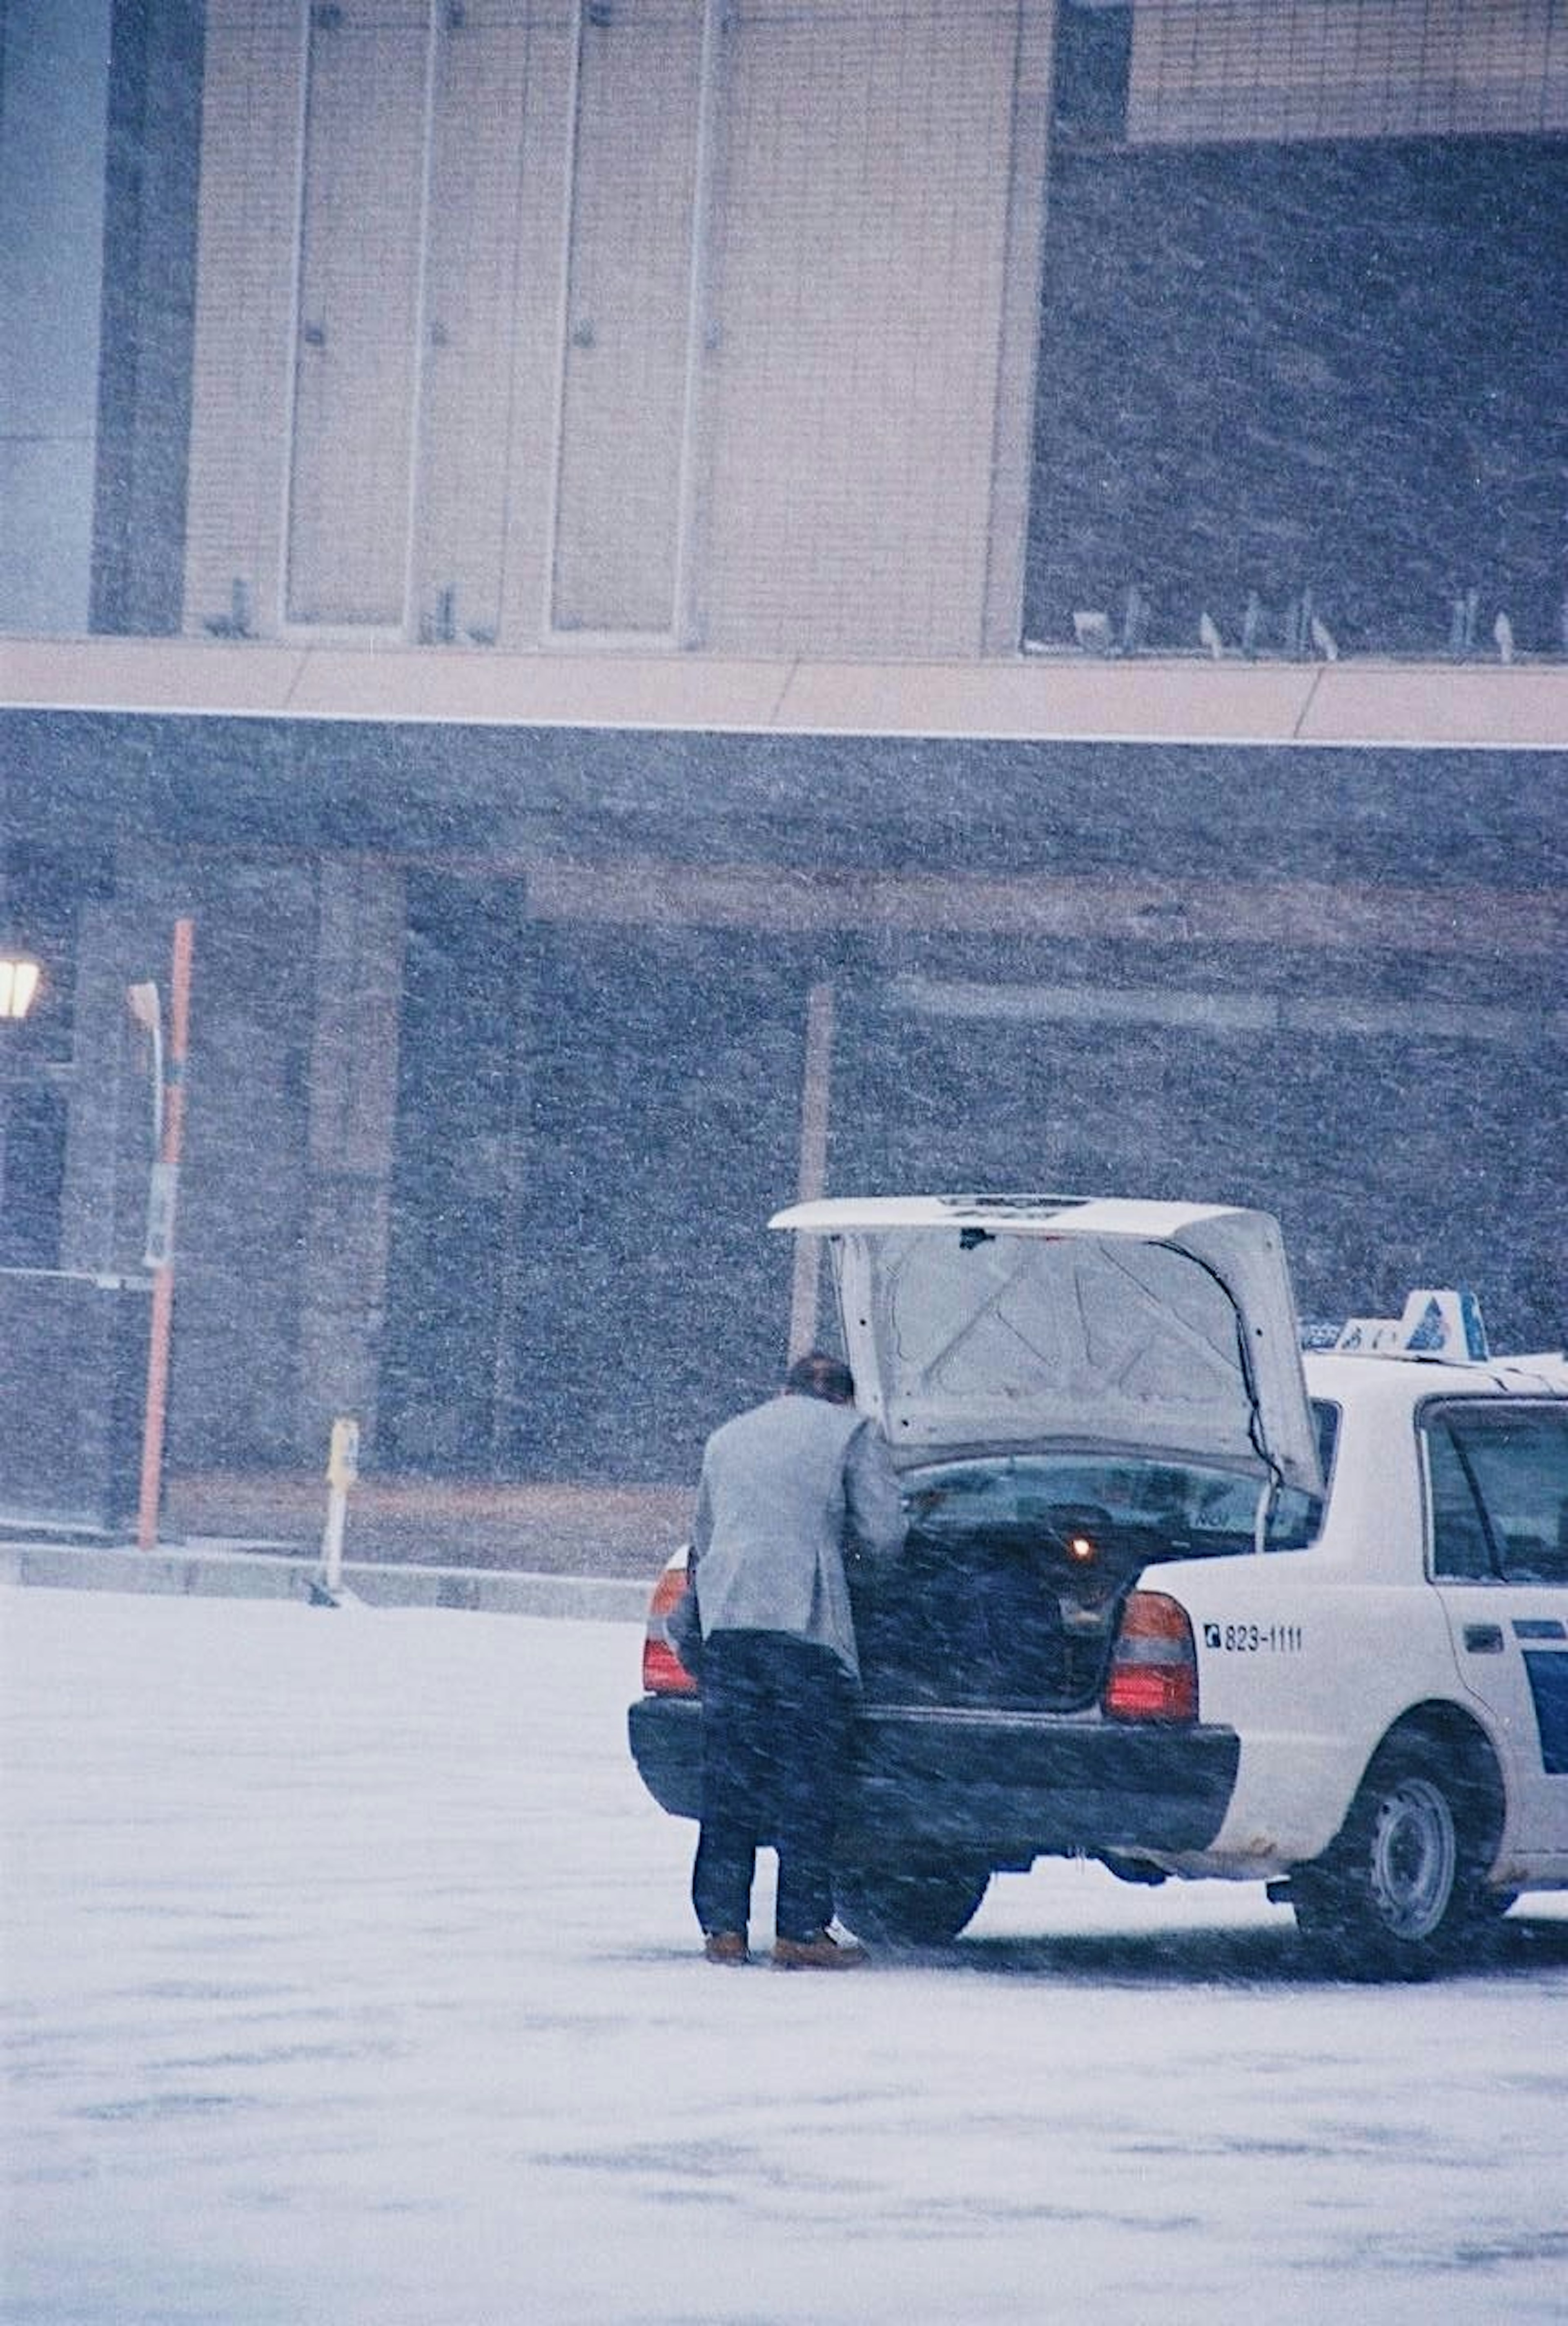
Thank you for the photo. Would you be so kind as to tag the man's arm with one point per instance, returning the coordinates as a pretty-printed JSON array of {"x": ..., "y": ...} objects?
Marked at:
[{"x": 871, "y": 1493}]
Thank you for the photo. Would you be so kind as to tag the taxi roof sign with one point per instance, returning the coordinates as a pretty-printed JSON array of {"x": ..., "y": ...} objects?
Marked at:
[{"x": 1442, "y": 1322}]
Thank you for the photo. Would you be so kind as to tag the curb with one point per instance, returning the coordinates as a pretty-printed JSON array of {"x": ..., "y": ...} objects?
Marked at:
[{"x": 249, "y": 1575}]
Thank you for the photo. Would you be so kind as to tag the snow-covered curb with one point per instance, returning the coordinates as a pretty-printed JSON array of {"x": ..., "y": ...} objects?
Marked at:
[{"x": 256, "y": 1575}]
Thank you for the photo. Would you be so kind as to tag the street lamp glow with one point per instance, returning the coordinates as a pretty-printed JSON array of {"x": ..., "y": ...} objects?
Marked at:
[{"x": 20, "y": 977}]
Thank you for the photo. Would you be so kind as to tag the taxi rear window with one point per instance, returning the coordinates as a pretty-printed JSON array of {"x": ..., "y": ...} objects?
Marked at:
[
  {"x": 1198, "y": 1509},
  {"x": 1296, "y": 1519}
]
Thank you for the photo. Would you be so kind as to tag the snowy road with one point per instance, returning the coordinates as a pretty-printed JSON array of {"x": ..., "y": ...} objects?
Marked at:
[{"x": 348, "y": 1978}]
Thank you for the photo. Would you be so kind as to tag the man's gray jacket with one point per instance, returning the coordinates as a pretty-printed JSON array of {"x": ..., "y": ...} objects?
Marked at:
[{"x": 780, "y": 1484}]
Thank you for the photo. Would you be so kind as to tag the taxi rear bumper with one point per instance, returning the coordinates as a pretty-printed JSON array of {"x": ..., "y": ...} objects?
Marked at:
[{"x": 1008, "y": 1786}]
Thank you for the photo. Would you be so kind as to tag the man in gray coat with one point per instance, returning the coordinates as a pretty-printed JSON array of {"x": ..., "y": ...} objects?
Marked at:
[{"x": 786, "y": 1487}]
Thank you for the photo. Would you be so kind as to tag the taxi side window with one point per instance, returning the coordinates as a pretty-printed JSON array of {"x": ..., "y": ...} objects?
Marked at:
[
  {"x": 1498, "y": 1479},
  {"x": 1459, "y": 1547}
]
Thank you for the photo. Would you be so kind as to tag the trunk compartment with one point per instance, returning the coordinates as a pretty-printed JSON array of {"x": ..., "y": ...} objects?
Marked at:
[{"x": 1015, "y": 1614}]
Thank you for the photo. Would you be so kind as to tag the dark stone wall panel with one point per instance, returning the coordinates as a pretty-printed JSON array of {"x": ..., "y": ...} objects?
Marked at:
[
  {"x": 1334, "y": 368},
  {"x": 148, "y": 318}
]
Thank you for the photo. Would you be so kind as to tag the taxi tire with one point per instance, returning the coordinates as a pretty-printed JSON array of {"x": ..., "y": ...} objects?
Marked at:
[
  {"x": 1401, "y": 1893},
  {"x": 909, "y": 1906}
]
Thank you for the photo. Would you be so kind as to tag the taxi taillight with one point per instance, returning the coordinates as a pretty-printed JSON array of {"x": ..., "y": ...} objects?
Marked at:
[
  {"x": 664, "y": 1673},
  {"x": 1153, "y": 1665}
]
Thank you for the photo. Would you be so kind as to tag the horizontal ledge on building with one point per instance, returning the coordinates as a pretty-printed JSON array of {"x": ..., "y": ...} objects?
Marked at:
[
  {"x": 1322, "y": 1017},
  {"x": 1056, "y": 697}
]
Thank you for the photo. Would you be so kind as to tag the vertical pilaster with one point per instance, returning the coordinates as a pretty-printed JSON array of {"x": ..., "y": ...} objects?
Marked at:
[
  {"x": 108, "y": 1133},
  {"x": 351, "y": 1109}
]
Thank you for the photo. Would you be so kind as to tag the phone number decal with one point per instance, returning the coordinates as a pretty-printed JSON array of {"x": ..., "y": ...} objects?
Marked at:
[{"x": 1254, "y": 1638}]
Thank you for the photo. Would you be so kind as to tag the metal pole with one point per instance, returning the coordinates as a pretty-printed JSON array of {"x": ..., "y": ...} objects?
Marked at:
[
  {"x": 816, "y": 1090},
  {"x": 166, "y": 1182}
]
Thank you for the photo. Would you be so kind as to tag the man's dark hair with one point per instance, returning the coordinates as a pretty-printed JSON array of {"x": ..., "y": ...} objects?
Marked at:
[{"x": 817, "y": 1374}]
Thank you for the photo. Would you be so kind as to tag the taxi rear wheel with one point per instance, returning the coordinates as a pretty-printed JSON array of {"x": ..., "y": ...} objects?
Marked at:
[
  {"x": 904, "y": 1905},
  {"x": 1402, "y": 1891}
]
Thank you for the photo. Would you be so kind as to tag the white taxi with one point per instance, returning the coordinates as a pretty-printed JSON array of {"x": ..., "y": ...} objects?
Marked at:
[{"x": 1177, "y": 1596}]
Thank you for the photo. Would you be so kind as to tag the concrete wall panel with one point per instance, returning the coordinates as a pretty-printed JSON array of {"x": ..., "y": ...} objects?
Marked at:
[
  {"x": 241, "y": 389},
  {"x": 859, "y": 278},
  {"x": 357, "y": 353},
  {"x": 628, "y": 318}
]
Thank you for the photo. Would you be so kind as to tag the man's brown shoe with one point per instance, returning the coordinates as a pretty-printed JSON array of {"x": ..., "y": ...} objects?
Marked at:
[
  {"x": 820, "y": 1951},
  {"x": 725, "y": 1946}
]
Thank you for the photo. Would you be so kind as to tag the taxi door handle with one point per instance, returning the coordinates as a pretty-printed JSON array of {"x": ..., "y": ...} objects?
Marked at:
[{"x": 1484, "y": 1639}]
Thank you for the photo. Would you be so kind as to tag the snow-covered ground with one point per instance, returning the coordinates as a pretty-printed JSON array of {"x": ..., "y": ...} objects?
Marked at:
[{"x": 349, "y": 1979}]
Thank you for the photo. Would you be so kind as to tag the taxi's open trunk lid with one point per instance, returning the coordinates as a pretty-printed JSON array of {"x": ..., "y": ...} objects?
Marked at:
[{"x": 1088, "y": 1324}]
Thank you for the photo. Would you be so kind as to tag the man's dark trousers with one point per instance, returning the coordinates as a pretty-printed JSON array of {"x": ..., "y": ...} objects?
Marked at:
[{"x": 775, "y": 1725}]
